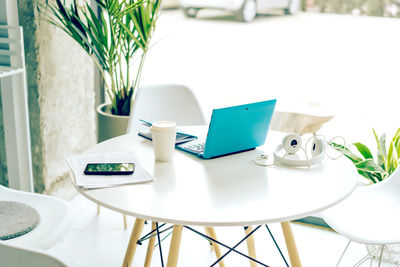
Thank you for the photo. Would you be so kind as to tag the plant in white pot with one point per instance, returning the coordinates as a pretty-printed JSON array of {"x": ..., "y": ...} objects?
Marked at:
[
  {"x": 387, "y": 161},
  {"x": 117, "y": 40}
]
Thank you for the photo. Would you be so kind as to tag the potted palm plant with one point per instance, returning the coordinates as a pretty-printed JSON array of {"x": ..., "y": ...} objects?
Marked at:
[{"x": 117, "y": 40}]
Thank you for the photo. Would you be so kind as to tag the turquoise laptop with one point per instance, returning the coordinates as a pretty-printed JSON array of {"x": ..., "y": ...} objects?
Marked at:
[{"x": 233, "y": 129}]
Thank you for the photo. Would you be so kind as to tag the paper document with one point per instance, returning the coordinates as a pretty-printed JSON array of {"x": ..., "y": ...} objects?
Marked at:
[{"x": 78, "y": 163}]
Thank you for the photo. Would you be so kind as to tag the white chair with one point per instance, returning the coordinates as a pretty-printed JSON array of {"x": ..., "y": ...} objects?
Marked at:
[
  {"x": 370, "y": 215},
  {"x": 55, "y": 219},
  {"x": 166, "y": 102},
  {"x": 14, "y": 256}
]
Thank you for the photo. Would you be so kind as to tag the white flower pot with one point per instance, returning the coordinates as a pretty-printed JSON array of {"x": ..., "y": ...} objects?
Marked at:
[{"x": 110, "y": 125}]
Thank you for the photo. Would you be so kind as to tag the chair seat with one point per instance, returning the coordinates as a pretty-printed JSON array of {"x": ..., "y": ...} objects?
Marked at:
[
  {"x": 11, "y": 255},
  {"x": 369, "y": 216},
  {"x": 56, "y": 218}
]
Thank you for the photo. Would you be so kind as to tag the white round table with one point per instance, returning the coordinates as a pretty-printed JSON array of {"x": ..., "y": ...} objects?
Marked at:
[{"x": 225, "y": 191}]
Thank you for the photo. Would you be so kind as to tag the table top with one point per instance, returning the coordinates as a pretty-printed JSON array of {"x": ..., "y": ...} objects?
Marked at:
[{"x": 226, "y": 191}]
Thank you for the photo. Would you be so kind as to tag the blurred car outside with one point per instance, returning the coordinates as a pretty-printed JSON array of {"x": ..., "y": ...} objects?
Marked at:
[
  {"x": 169, "y": 4},
  {"x": 245, "y": 10}
]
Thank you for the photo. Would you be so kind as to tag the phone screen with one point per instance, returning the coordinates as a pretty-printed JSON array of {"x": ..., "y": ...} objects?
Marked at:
[{"x": 109, "y": 168}]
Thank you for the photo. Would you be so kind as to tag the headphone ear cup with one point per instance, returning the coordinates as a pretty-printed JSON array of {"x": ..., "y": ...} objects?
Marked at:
[
  {"x": 317, "y": 146},
  {"x": 291, "y": 143}
]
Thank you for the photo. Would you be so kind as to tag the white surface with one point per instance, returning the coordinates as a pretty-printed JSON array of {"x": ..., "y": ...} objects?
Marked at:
[
  {"x": 78, "y": 164},
  {"x": 55, "y": 218},
  {"x": 224, "y": 191},
  {"x": 371, "y": 214},
  {"x": 13, "y": 256}
]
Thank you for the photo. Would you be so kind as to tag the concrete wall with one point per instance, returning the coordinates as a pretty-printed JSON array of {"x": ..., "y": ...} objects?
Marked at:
[{"x": 60, "y": 97}]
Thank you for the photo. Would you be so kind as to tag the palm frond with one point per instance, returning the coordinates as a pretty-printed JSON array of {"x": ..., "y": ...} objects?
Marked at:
[{"x": 121, "y": 30}]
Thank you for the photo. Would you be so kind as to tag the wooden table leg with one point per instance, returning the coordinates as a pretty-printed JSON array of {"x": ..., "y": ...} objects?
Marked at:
[
  {"x": 210, "y": 231},
  {"x": 125, "y": 222},
  {"x": 150, "y": 246},
  {"x": 251, "y": 247},
  {"x": 291, "y": 244},
  {"x": 174, "y": 247},
  {"x": 130, "y": 251}
]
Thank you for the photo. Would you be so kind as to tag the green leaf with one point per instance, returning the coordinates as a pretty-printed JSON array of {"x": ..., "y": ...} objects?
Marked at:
[
  {"x": 370, "y": 166},
  {"x": 382, "y": 142},
  {"x": 396, "y": 141},
  {"x": 138, "y": 28},
  {"x": 392, "y": 158},
  {"x": 62, "y": 9},
  {"x": 381, "y": 150},
  {"x": 364, "y": 150},
  {"x": 373, "y": 177},
  {"x": 350, "y": 155},
  {"x": 132, "y": 36}
]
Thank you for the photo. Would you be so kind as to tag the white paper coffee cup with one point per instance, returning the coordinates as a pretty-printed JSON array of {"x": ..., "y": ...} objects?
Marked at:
[{"x": 164, "y": 137}]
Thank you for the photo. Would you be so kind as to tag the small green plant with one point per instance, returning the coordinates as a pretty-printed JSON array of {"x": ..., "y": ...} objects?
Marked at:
[
  {"x": 121, "y": 32},
  {"x": 386, "y": 162}
]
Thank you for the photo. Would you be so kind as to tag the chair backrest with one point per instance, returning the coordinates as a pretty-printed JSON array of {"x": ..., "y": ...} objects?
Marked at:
[
  {"x": 165, "y": 102},
  {"x": 13, "y": 256}
]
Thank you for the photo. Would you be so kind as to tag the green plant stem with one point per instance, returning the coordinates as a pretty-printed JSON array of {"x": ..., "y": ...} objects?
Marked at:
[{"x": 138, "y": 74}]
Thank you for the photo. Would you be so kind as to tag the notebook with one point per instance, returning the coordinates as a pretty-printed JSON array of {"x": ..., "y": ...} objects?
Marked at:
[
  {"x": 181, "y": 137},
  {"x": 232, "y": 130}
]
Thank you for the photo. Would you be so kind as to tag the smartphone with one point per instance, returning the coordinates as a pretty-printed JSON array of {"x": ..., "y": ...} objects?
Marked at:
[{"x": 109, "y": 168}]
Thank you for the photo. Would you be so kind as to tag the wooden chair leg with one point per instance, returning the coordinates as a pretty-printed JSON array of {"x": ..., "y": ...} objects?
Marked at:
[
  {"x": 251, "y": 247},
  {"x": 150, "y": 247},
  {"x": 130, "y": 251},
  {"x": 124, "y": 217},
  {"x": 291, "y": 244},
  {"x": 174, "y": 247},
  {"x": 210, "y": 231},
  {"x": 125, "y": 222}
]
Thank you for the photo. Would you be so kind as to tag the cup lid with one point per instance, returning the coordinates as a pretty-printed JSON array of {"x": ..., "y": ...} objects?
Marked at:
[{"x": 162, "y": 126}]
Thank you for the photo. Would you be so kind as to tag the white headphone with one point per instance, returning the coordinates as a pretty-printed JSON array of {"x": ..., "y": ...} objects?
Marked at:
[{"x": 292, "y": 143}]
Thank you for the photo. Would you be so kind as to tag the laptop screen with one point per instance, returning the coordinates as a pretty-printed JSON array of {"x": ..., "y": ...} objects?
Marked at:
[{"x": 238, "y": 128}]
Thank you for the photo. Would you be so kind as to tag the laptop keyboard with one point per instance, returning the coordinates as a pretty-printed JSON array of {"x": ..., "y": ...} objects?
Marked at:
[{"x": 196, "y": 147}]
